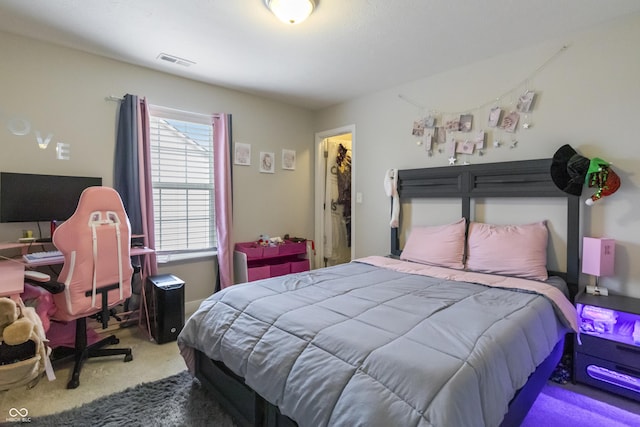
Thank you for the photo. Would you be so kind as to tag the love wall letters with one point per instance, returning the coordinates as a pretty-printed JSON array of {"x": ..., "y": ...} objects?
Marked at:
[{"x": 22, "y": 127}]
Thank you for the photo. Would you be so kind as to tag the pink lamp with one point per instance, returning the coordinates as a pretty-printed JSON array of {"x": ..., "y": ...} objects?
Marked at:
[{"x": 598, "y": 257}]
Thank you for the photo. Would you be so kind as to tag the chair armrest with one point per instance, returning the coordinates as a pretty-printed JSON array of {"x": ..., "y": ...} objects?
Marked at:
[{"x": 51, "y": 286}]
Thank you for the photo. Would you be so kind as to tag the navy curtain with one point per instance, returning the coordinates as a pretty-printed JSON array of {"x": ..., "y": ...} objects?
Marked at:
[{"x": 126, "y": 176}]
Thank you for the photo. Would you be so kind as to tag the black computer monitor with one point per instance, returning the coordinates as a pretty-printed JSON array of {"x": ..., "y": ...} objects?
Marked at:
[{"x": 32, "y": 197}]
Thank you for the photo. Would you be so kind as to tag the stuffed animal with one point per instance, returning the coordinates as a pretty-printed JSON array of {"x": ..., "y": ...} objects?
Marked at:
[
  {"x": 24, "y": 355},
  {"x": 14, "y": 329},
  {"x": 8, "y": 313}
]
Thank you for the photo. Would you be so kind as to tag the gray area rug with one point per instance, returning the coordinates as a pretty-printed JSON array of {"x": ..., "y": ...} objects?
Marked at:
[{"x": 179, "y": 400}]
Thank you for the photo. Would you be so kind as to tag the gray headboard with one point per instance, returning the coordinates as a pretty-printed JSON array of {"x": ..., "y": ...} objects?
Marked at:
[{"x": 525, "y": 178}]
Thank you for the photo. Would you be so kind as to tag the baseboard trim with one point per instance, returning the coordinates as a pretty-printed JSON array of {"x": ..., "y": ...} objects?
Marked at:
[{"x": 190, "y": 307}]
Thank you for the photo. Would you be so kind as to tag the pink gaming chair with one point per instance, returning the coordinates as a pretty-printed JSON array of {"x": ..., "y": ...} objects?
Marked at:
[{"x": 95, "y": 243}]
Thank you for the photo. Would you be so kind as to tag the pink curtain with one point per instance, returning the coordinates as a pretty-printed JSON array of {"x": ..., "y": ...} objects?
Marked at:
[
  {"x": 223, "y": 196},
  {"x": 150, "y": 267}
]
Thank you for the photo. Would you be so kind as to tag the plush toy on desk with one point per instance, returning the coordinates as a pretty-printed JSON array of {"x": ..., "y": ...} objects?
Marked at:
[{"x": 570, "y": 171}]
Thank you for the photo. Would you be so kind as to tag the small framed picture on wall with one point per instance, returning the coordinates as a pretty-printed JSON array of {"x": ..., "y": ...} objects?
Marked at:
[
  {"x": 242, "y": 154},
  {"x": 289, "y": 160},
  {"x": 267, "y": 162}
]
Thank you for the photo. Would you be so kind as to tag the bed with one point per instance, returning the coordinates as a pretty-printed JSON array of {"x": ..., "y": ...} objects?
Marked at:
[{"x": 390, "y": 340}]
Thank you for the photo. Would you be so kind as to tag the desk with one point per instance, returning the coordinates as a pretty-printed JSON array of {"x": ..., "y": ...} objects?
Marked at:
[
  {"x": 135, "y": 251},
  {"x": 24, "y": 247},
  {"x": 11, "y": 278},
  {"x": 12, "y": 274}
]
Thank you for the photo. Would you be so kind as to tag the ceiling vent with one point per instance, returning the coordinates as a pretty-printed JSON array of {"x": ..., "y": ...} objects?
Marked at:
[{"x": 175, "y": 60}]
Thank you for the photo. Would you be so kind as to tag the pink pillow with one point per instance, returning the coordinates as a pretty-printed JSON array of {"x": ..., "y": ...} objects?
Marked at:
[
  {"x": 512, "y": 250},
  {"x": 440, "y": 245}
]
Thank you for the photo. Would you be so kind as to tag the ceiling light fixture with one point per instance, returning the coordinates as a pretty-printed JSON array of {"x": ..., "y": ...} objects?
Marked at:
[{"x": 291, "y": 11}]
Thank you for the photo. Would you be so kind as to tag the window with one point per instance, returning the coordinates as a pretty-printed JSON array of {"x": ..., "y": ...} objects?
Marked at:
[{"x": 182, "y": 180}]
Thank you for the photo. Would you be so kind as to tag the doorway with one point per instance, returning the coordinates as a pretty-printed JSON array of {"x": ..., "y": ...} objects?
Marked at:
[{"x": 334, "y": 202}]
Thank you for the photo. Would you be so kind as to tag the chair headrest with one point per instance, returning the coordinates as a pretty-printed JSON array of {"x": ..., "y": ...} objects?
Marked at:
[{"x": 99, "y": 199}]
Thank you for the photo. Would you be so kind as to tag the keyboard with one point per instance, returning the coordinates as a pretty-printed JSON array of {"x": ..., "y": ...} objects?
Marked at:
[{"x": 39, "y": 256}]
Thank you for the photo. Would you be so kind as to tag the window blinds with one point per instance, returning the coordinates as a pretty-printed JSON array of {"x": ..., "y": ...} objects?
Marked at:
[{"x": 183, "y": 184}]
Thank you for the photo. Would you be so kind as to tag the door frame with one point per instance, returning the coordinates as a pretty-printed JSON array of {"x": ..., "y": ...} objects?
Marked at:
[{"x": 319, "y": 189}]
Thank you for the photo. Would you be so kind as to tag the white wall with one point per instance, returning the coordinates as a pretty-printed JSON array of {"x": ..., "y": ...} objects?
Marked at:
[
  {"x": 62, "y": 92},
  {"x": 587, "y": 97}
]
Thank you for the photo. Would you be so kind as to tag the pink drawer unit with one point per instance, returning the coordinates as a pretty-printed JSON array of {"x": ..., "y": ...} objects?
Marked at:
[
  {"x": 253, "y": 261},
  {"x": 280, "y": 269},
  {"x": 300, "y": 266},
  {"x": 257, "y": 273},
  {"x": 270, "y": 251},
  {"x": 252, "y": 249},
  {"x": 293, "y": 248}
]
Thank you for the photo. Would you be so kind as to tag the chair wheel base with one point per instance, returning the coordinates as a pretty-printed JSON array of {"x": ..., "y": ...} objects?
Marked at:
[
  {"x": 74, "y": 383},
  {"x": 128, "y": 357}
]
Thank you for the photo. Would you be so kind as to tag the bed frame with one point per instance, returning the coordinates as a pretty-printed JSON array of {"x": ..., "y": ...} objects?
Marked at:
[{"x": 527, "y": 178}]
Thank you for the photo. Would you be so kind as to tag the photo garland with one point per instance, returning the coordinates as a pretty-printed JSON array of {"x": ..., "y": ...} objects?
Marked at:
[
  {"x": 456, "y": 134},
  {"x": 464, "y": 133}
]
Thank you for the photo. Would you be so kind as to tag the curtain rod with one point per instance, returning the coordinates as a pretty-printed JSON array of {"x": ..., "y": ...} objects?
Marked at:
[
  {"x": 114, "y": 98},
  {"x": 178, "y": 111}
]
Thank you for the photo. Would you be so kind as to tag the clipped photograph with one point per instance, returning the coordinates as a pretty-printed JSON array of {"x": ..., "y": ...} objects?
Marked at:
[
  {"x": 441, "y": 135},
  {"x": 418, "y": 128},
  {"x": 427, "y": 139},
  {"x": 525, "y": 102},
  {"x": 430, "y": 122},
  {"x": 465, "y": 147},
  {"x": 466, "y": 121},
  {"x": 478, "y": 140},
  {"x": 452, "y": 124},
  {"x": 510, "y": 121},
  {"x": 494, "y": 117}
]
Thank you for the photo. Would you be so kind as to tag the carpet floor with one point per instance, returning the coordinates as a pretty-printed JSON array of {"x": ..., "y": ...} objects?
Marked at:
[
  {"x": 558, "y": 407},
  {"x": 179, "y": 400}
]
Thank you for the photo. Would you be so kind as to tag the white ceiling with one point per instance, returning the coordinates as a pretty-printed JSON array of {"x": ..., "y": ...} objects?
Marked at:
[{"x": 347, "y": 48}]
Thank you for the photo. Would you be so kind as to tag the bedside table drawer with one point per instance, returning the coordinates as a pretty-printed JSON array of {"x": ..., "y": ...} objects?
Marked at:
[
  {"x": 607, "y": 375},
  {"x": 609, "y": 350}
]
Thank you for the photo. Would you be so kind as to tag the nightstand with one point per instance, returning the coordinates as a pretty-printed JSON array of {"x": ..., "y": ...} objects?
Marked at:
[{"x": 609, "y": 357}]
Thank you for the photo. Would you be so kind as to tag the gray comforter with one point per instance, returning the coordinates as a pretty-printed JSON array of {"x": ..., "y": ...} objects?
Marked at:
[{"x": 359, "y": 345}]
